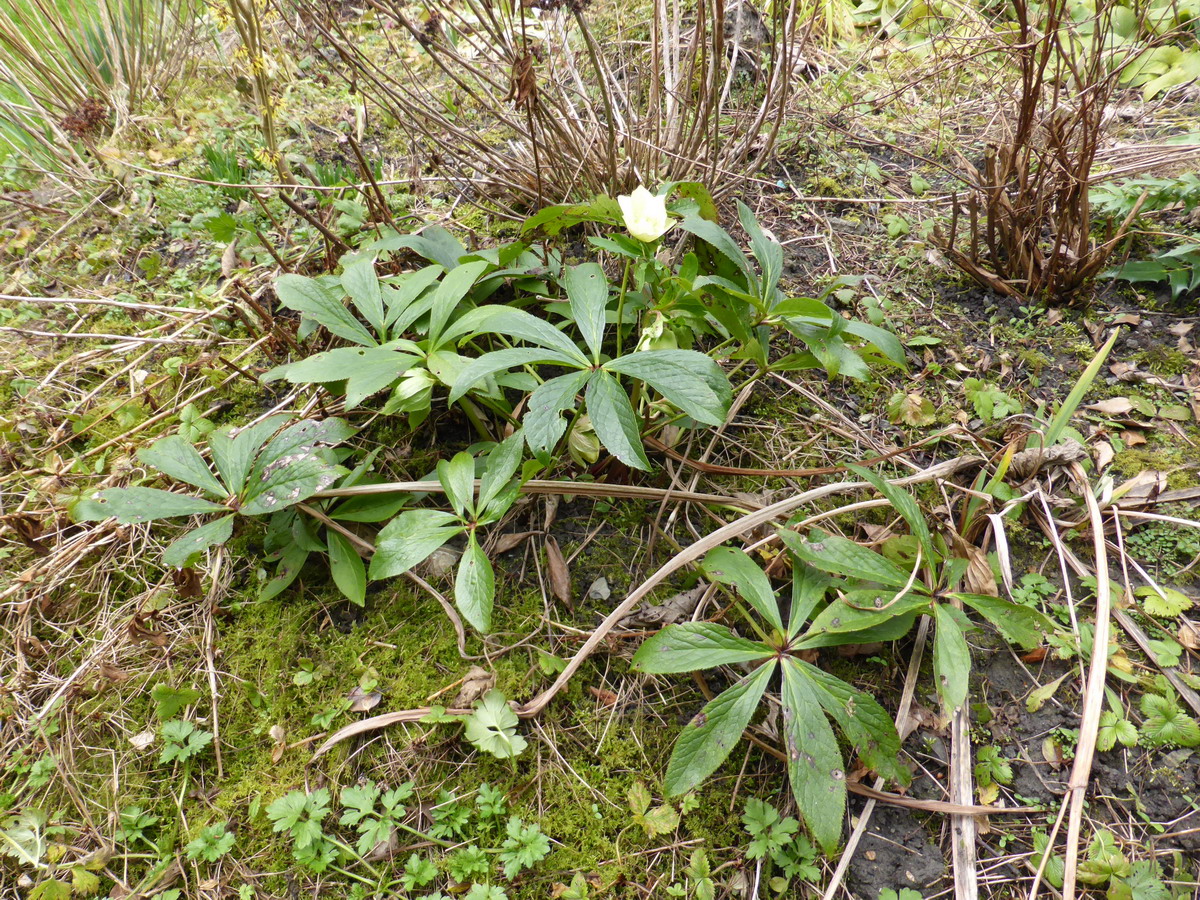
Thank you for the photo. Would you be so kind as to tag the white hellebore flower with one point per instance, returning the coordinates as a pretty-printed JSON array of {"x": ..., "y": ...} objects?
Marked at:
[{"x": 645, "y": 215}]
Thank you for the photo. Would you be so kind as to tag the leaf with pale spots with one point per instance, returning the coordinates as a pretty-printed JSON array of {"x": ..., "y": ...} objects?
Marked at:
[
  {"x": 695, "y": 645},
  {"x": 951, "y": 658},
  {"x": 813, "y": 760},
  {"x": 709, "y": 737},
  {"x": 865, "y": 724},
  {"x": 731, "y": 566},
  {"x": 840, "y": 556}
]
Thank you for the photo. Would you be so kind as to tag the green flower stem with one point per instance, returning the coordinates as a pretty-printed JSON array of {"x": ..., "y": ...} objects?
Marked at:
[
  {"x": 621, "y": 303},
  {"x": 762, "y": 635},
  {"x": 354, "y": 854},
  {"x": 425, "y": 837},
  {"x": 476, "y": 418}
]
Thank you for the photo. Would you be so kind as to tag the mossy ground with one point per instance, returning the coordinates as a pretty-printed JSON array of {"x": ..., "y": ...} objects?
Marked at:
[{"x": 99, "y": 642}]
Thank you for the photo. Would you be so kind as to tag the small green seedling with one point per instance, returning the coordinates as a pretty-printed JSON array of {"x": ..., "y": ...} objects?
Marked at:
[{"x": 415, "y": 534}]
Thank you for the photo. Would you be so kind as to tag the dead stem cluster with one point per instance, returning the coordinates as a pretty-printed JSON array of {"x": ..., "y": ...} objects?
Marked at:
[{"x": 533, "y": 104}]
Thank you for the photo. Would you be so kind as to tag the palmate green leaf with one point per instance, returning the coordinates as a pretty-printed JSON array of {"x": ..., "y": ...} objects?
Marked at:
[
  {"x": 719, "y": 238},
  {"x": 475, "y": 586},
  {"x": 347, "y": 569},
  {"x": 300, "y": 439},
  {"x": 1164, "y": 602},
  {"x": 448, "y": 294},
  {"x": 544, "y": 423},
  {"x": 492, "y": 727},
  {"x": 501, "y": 360},
  {"x": 290, "y": 480},
  {"x": 524, "y": 847},
  {"x": 434, "y": 243},
  {"x": 708, "y": 738},
  {"x": 808, "y": 589},
  {"x": 178, "y": 459},
  {"x": 692, "y": 381},
  {"x": 370, "y": 507},
  {"x": 519, "y": 325},
  {"x": 233, "y": 456},
  {"x": 731, "y": 566},
  {"x": 902, "y": 501},
  {"x": 1019, "y": 624},
  {"x": 366, "y": 370},
  {"x": 409, "y": 539},
  {"x": 767, "y": 252},
  {"x": 856, "y": 611},
  {"x": 951, "y": 658},
  {"x": 458, "y": 478},
  {"x": 614, "y": 420},
  {"x": 499, "y": 468},
  {"x": 292, "y": 467},
  {"x": 400, "y": 295},
  {"x": 866, "y": 725},
  {"x": 362, "y": 284},
  {"x": 587, "y": 292},
  {"x": 323, "y": 306},
  {"x": 134, "y": 505},
  {"x": 1166, "y": 723},
  {"x": 891, "y": 630},
  {"x": 185, "y": 550},
  {"x": 814, "y": 762},
  {"x": 839, "y": 556},
  {"x": 292, "y": 559},
  {"x": 693, "y": 646}
]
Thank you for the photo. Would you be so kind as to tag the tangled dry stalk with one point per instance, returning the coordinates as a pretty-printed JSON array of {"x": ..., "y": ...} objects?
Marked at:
[{"x": 541, "y": 108}]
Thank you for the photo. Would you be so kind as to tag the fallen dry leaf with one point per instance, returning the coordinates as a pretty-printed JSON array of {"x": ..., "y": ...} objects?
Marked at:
[
  {"x": 1133, "y": 438},
  {"x": 229, "y": 260},
  {"x": 1124, "y": 371},
  {"x": 187, "y": 583},
  {"x": 1104, "y": 455},
  {"x": 477, "y": 683},
  {"x": 666, "y": 613},
  {"x": 440, "y": 562},
  {"x": 279, "y": 735},
  {"x": 604, "y": 696},
  {"x": 924, "y": 718},
  {"x": 512, "y": 540},
  {"x": 979, "y": 578},
  {"x": 1114, "y": 406},
  {"x": 560, "y": 576},
  {"x": 551, "y": 512},
  {"x": 1189, "y": 634},
  {"x": 361, "y": 701}
]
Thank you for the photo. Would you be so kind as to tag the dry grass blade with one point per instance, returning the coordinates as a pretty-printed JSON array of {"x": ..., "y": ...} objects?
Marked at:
[
  {"x": 962, "y": 828},
  {"x": 1093, "y": 695},
  {"x": 74, "y": 71}
]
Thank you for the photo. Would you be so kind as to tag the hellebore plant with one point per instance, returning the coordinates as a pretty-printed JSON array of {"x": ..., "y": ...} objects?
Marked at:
[{"x": 808, "y": 694}]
